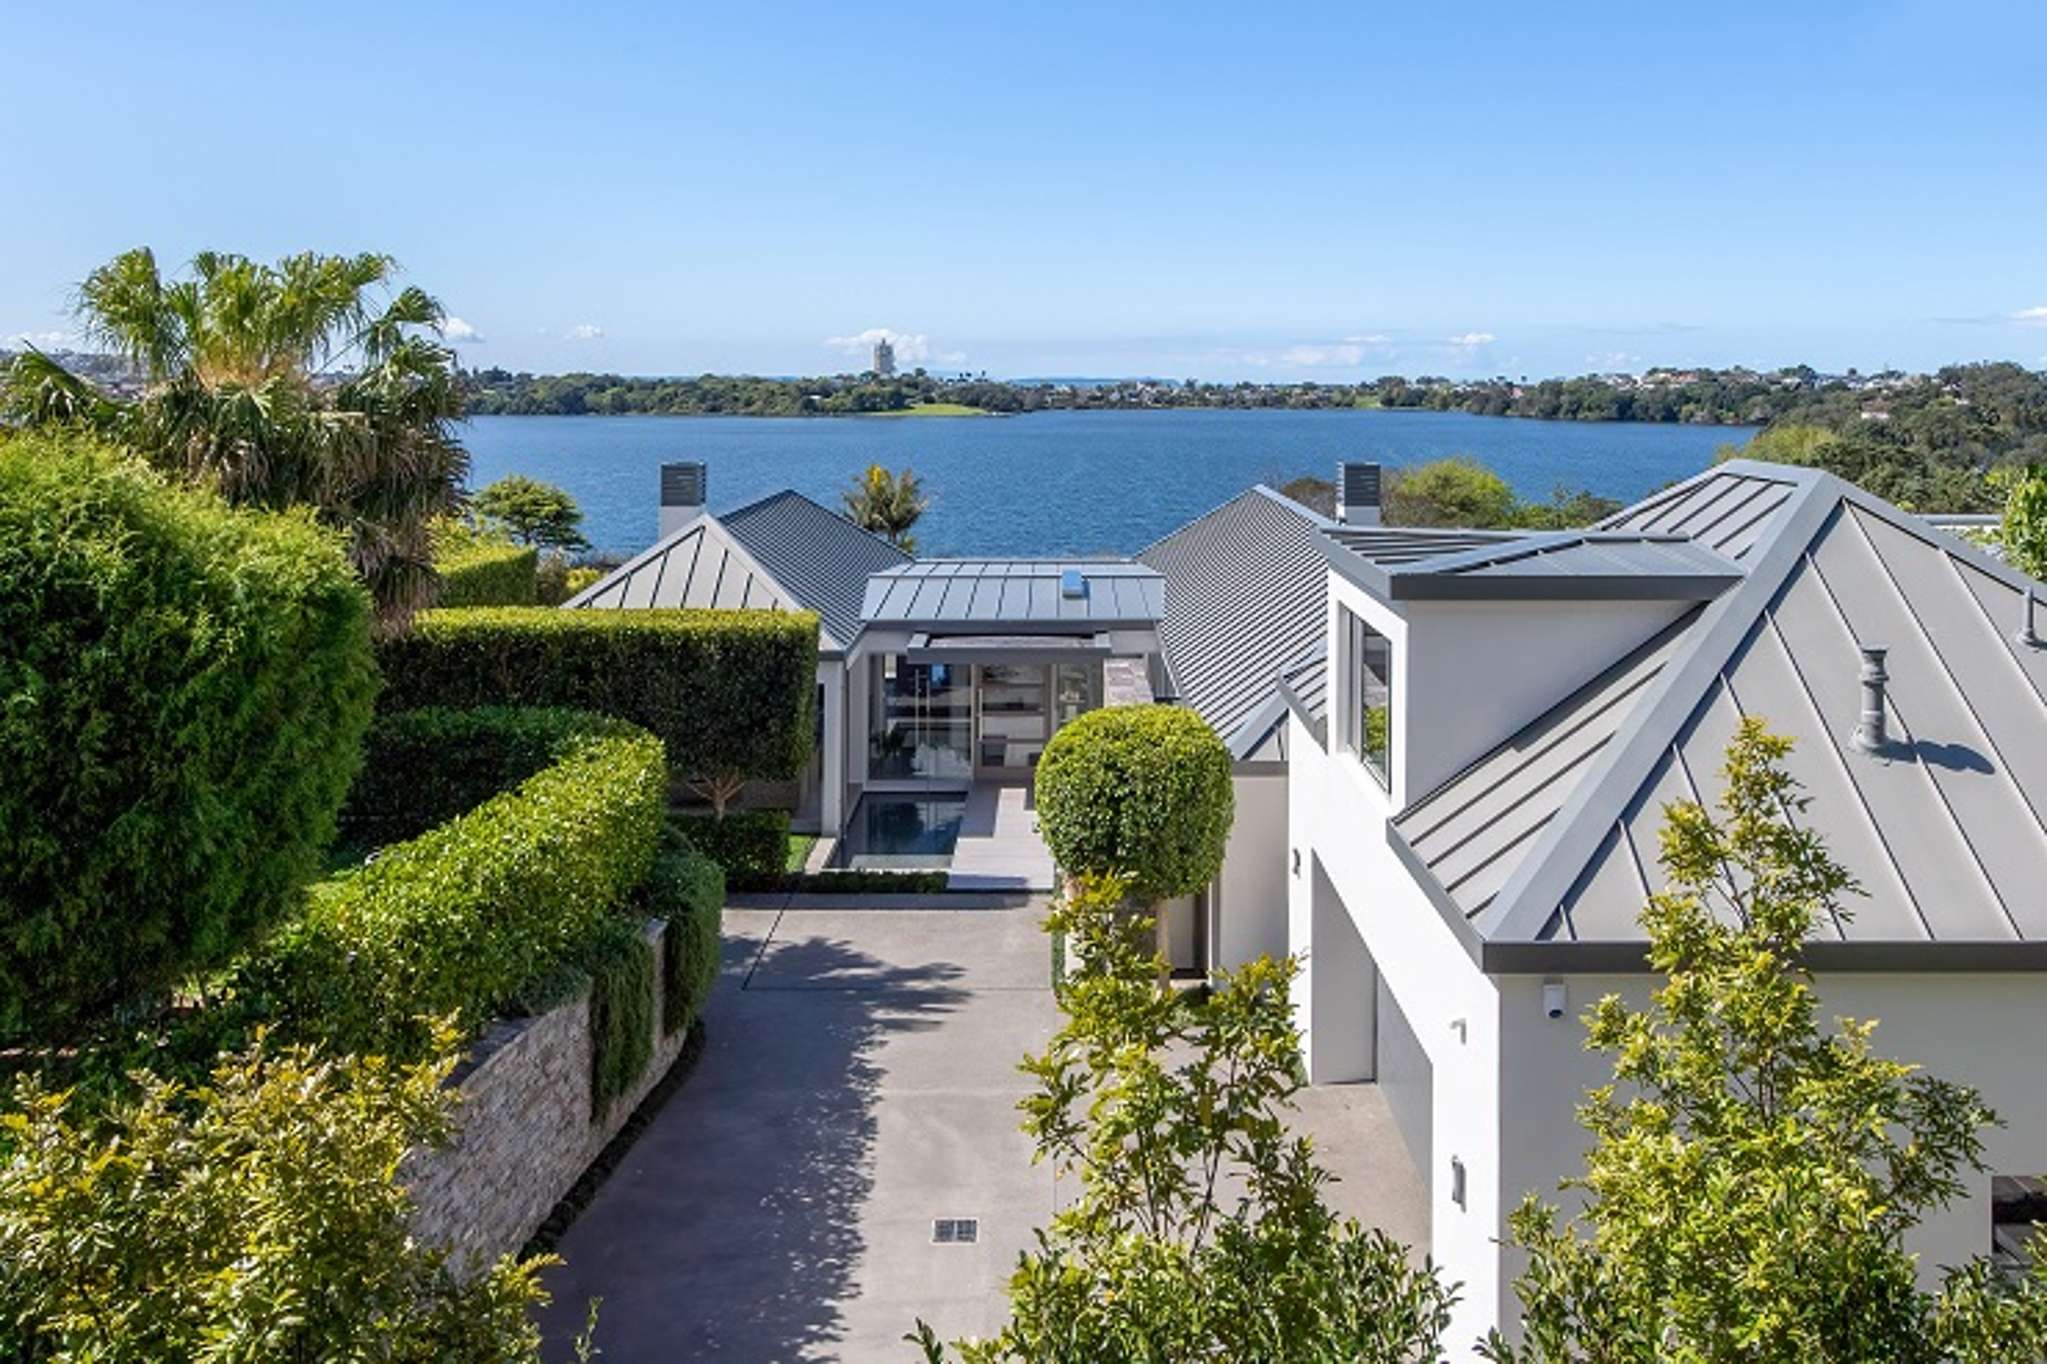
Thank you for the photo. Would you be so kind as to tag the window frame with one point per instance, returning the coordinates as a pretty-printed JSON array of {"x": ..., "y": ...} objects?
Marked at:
[{"x": 1357, "y": 639}]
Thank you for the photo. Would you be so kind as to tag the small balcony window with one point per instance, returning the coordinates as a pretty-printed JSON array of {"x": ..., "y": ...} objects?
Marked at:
[{"x": 1368, "y": 673}]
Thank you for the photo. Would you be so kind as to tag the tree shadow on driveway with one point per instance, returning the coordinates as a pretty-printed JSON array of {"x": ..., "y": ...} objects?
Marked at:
[{"x": 732, "y": 1229}]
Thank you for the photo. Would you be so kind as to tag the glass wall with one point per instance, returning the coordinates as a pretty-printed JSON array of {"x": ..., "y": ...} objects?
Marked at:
[
  {"x": 1014, "y": 718},
  {"x": 921, "y": 721},
  {"x": 1368, "y": 669}
]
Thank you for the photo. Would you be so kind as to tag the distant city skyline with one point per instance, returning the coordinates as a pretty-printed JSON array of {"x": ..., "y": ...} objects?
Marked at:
[{"x": 1196, "y": 191}]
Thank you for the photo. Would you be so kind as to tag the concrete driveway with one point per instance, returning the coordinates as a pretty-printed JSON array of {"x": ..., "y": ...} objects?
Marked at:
[{"x": 859, "y": 1081}]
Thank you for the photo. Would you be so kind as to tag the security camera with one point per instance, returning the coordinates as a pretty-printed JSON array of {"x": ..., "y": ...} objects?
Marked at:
[{"x": 1553, "y": 998}]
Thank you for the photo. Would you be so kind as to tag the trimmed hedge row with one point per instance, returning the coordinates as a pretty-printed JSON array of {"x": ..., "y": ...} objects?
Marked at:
[
  {"x": 490, "y": 575},
  {"x": 688, "y": 890},
  {"x": 726, "y": 691},
  {"x": 621, "y": 965},
  {"x": 183, "y": 691},
  {"x": 468, "y": 916},
  {"x": 744, "y": 843}
]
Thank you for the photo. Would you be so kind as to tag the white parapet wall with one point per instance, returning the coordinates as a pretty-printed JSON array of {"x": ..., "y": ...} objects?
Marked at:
[{"x": 524, "y": 1132}]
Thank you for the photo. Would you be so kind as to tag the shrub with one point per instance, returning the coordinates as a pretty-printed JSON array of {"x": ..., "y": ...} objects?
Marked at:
[
  {"x": 489, "y": 575},
  {"x": 621, "y": 965},
  {"x": 2023, "y": 534},
  {"x": 463, "y": 918},
  {"x": 183, "y": 689},
  {"x": 744, "y": 843},
  {"x": 256, "y": 1217},
  {"x": 1138, "y": 791},
  {"x": 1449, "y": 492},
  {"x": 688, "y": 890},
  {"x": 726, "y": 691}
]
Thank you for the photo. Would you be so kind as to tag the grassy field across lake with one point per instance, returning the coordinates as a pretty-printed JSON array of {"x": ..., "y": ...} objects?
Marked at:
[{"x": 934, "y": 410}]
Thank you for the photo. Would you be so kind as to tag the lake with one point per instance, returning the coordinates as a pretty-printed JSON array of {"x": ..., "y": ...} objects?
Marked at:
[{"x": 1058, "y": 482}]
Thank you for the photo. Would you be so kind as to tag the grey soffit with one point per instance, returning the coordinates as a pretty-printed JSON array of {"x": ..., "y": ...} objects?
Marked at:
[
  {"x": 1550, "y": 842},
  {"x": 1246, "y": 603},
  {"x": 1014, "y": 595},
  {"x": 782, "y": 553},
  {"x": 1595, "y": 565}
]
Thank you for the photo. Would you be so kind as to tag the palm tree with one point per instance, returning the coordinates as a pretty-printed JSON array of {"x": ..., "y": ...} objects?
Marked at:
[
  {"x": 304, "y": 382},
  {"x": 887, "y": 504}
]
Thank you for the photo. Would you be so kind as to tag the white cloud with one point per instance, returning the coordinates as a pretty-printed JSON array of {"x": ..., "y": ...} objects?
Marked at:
[
  {"x": 1375, "y": 339},
  {"x": 1322, "y": 357},
  {"x": 910, "y": 349},
  {"x": 1613, "y": 361},
  {"x": 2031, "y": 317},
  {"x": 1346, "y": 353},
  {"x": 1473, "y": 340},
  {"x": 585, "y": 331},
  {"x": 460, "y": 332},
  {"x": 40, "y": 340}
]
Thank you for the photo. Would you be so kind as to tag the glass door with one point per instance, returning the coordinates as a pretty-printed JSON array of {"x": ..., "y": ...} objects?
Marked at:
[
  {"x": 922, "y": 721},
  {"x": 1014, "y": 717}
]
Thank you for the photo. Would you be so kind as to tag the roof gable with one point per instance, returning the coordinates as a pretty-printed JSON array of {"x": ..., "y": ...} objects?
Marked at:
[{"x": 1942, "y": 828}]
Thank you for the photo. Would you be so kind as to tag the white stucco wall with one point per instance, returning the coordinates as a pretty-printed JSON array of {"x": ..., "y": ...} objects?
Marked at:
[
  {"x": 1337, "y": 814},
  {"x": 1249, "y": 906},
  {"x": 1981, "y": 1030}
]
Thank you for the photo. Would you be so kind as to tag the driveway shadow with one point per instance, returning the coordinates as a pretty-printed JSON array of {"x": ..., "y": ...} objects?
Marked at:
[{"x": 732, "y": 1230}]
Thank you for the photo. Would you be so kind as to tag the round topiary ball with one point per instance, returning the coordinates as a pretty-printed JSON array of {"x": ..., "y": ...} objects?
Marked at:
[{"x": 1142, "y": 791}]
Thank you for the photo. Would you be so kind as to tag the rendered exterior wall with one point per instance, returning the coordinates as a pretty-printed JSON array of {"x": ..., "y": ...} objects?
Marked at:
[
  {"x": 1250, "y": 899},
  {"x": 1337, "y": 817},
  {"x": 1982, "y": 1030},
  {"x": 524, "y": 1131}
]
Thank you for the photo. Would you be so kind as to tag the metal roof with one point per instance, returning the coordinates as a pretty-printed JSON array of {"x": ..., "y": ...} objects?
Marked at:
[
  {"x": 1386, "y": 545},
  {"x": 823, "y": 559},
  {"x": 1625, "y": 564},
  {"x": 782, "y": 553},
  {"x": 1013, "y": 594},
  {"x": 1550, "y": 842},
  {"x": 1246, "y": 603}
]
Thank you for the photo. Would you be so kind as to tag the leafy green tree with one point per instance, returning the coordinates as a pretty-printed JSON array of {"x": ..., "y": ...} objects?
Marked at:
[
  {"x": 1200, "y": 1230},
  {"x": 531, "y": 512},
  {"x": 279, "y": 385},
  {"x": 887, "y": 504},
  {"x": 1448, "y": 492},
  {"x": 258, "y": 1217},
  {"x": 2024, "y": 530},
  {"x": 1753, "y": 1175}
]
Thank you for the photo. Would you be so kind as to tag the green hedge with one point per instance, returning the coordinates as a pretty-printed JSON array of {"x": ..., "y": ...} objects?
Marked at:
[
  {"x": 621, "y": 965},
  {"x": 744, "y": 843},
  {"x": 726, "y": 691},
  {"x": 468, "y": 916},
  {"x": 183, "y": 691},
  {"x": 483, "y": 570},
  {"x": 1138, "y": 791},
  {"x": 688, "y": 890}
]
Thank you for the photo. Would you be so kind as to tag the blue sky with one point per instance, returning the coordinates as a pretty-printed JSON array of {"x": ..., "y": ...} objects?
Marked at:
[{"x": 1224, "y": 191}]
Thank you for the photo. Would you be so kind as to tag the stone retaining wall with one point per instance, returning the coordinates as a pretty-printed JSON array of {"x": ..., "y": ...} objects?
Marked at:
[{"x": 524, "y": 1130}]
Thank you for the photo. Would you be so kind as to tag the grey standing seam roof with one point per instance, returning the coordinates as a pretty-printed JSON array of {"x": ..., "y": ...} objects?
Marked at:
[
  {"x": 1596, "y": 564},
  {"x": 1246, "y": 604},
  {"x": 1553, "y": 837},
  {"x": 782, "y": 553},
  {"x": 1014, "y": 593}
]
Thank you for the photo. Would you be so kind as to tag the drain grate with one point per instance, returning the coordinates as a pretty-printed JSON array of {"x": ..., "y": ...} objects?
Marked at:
[{"x": 955, "y": 1231}]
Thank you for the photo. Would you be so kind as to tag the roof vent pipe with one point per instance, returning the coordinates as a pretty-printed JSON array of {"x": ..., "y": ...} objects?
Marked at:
[
  {"x": 1869, "y": 726},
  {"x": 683, "y": 489},
  {"x": 1357, "y": 493},
  {"x": 2027, "y": 637}
]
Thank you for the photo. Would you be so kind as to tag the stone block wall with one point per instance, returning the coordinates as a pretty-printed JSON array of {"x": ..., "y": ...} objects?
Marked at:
[{"x": 525, "y": 1133}]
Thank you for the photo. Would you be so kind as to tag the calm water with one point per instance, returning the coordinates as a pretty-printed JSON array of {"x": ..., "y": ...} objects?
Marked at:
[{"x": 1057, "y": 482}]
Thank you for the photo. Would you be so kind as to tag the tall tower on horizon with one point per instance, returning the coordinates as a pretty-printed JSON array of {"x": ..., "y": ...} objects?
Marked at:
[{"x": 884, "y": 358}]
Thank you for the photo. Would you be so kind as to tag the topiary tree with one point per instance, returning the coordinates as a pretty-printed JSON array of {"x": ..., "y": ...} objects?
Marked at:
[
  {"x": 1142, "y": 792},
  {"x": 1754, "y": 1174},
  {"x": 183, "y": 693}
]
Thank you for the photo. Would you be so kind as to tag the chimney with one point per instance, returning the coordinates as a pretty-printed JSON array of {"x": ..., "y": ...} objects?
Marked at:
[
  {"x": 683, "y": 487},
  {"x": 1869, "y": 726},
  {"x": 1357, "y": 493}
]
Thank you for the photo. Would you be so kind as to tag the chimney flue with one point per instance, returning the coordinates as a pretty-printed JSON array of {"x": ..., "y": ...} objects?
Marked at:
[
  {"x": 1357, "y": 493},
  {"x": 683, "y": 488},
  {"x": 1869, "y": 726}
]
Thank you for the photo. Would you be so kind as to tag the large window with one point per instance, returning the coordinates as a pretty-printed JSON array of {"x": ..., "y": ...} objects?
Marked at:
[{"x": 1368, "y": 673}]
